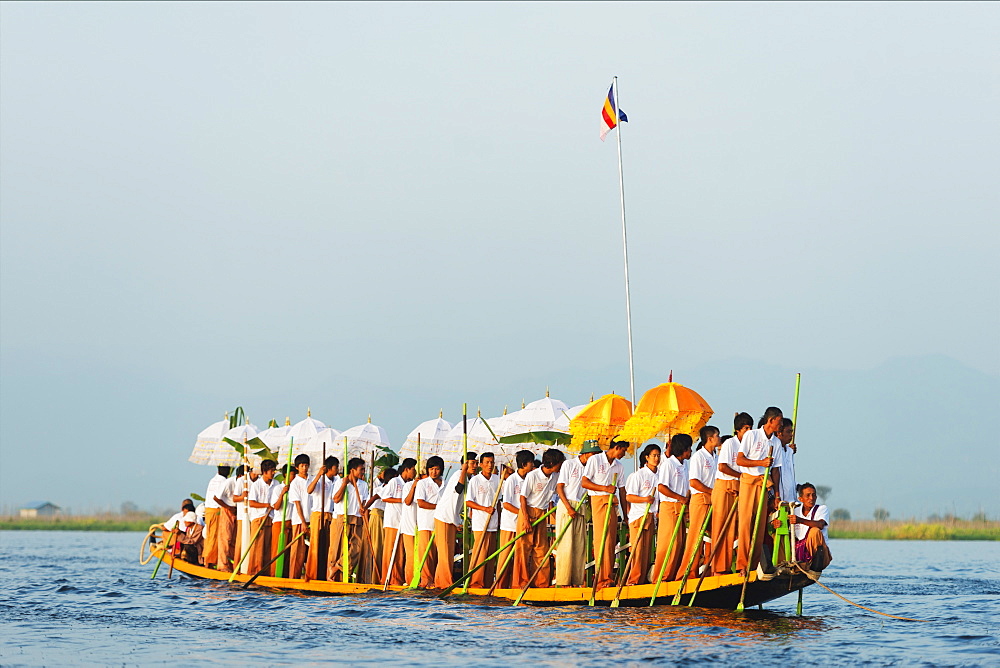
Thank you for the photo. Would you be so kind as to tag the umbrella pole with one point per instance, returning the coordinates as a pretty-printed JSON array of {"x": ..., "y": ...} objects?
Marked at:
[
  {"x": 628, "y": 300},
  {"x": 279, "y": 569},
  {"x": 345, "y": 557},
  {"x": 465, "y": 512}
]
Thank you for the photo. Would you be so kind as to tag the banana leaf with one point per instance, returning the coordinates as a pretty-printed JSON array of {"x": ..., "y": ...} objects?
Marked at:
[
  {"x": 196, "y": 497},
  {"x": 390, "y": 458}
]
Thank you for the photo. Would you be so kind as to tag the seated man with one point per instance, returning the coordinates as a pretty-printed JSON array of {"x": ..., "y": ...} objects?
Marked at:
[{"x": 810, "y": 523}]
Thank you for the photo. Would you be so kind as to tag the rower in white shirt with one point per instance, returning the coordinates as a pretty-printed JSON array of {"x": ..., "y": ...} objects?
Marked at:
[
  {"x": 448, "y": 516},
  {"x": 260, "y": 502},
  {"x": 572, "y": 551},
  {"x": 425, "y": 496},
  {"x": 786, "y": 434},
  {"x": 702, "y": 468},
  {"x": 299, "y": 506},
  {"x": 810, "y": 522},
  {"x": 640, "y": 492},
  {"x": 758, "y": 450},
  {"x": 510, "y": 495},
  {"x": 481, "y": 500},
  {"x": 536, "y": 496},
  {"x": 392, "y": 545},
  {"x": 674, "y": 488},
  {"x": 348, "y": 501},
  {"x": 278, "y": 527},
  {"x": 240, "y": 495},
  {"x": 604, "y": 480},
  {"x": 321, "y": 489},
  {"x": 724, "y": 495},
  {"x": 408, "y": 519},
  {"x": 213, "y": 513}
]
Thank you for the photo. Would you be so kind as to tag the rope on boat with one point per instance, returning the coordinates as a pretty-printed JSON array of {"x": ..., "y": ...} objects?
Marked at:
[
  {"x": 145, "y": 541},
  {"x": 884, "y": 614}
]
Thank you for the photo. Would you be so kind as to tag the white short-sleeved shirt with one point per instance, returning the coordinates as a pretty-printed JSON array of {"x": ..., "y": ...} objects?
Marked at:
[
  {"x": 702, "y": 467},
  {"x": 392, "y": 490},
  {"x": 788, "y": 475},
  {"x": 239, "y": 488},
  {"x": 600, "y": 471},
  {"x": 726, "y": 454},
  {"x": 353, "y": 502},
  {"x": 642, "y": 483},
  {"x": 449, "y": 503},
  {"x": 484, "y": 493},
  {"x": 408, "y": 513},
  {"x": 757, "y": 445},
  {"x": 377, "y": 488},
  {"x": 819, "y": 512},
  {"x": 321, "y": 499},
  {"x": 299, "y": 491},
  {"x": 428, "y": 491},
  {"x": 673, "y": 473},
  {"x": 260, "y": 492},
  {"x": 538, "y": 488},
  {"x": 174, "y": 520},
  {"x": 275, "y": 492},
  {"x": 214, "y": 489},
  {"x": 226, "y": 492},
  {"x": 571, "y": 478},
  {"x": 510, "y": 493}
]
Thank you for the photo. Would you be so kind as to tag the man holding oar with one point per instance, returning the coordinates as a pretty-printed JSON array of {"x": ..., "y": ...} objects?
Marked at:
[
  {"x": 448, "y": 516},
  {"x": 640, "y": 492},
  {"x": 352, "y": 485},
  {"x": 213, "y": 512},
  {"x": 484, "y": 489},
  {"x": 392, "y": 545},
  {"x": 510, "y": 495},
  {"x": 673, "y": 488},
  {"x": 603, "y": 477},
  {"x": 571, "y": 553},
  {"x": 226, "y": 524},
  {"x": 754, "y": 457},
  {"x": 425, "y": 496},
  {"x": 298, "y": 500},
  {"x": 321, "y": 509},
  {"x": 536, "y": 498},
  {"x": 724, "y": 494},
  {"x": 701, "y": 479},
  {"x": 260, "y": 504}
]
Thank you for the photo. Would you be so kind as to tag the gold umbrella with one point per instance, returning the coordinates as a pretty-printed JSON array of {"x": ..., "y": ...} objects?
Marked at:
[
  {"x": 667, "y": 409},
  {"x": 600, "y": 421}
]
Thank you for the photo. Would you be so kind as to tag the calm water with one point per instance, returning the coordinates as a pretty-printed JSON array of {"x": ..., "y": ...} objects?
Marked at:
[{"x": 82, "y": 598}]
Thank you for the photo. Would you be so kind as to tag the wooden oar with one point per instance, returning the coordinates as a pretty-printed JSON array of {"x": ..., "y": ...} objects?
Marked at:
[
  {"x": 493, "y": 556},
  {"x": 500, "y": 571},
  {"x": 756, "y": 528},
  {"x": 243, "y": 558},
  {"x": 666, "y": 555},
  {"x": 166, "y": 545},
  {"x": 345, "y": 547},
  {"x": 275, "y": 558},
  {"x": 170, "y": 571},
  {"x": 604, "y": 539},
  {"x": 631, "y": 555},
  {"x": 551, "y": 549},
  {"x": 694, "y": 555},
  {"x": 715, "y": 549},
  {"x": 392, "y": 560}
]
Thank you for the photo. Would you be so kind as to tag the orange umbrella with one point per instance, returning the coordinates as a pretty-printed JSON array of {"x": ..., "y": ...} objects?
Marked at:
[
  {"x": 600, "y": 421},
  {"x": 665, "y": 410}
]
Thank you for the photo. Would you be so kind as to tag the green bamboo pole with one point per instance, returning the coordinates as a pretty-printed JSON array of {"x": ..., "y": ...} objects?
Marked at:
[
  {"x": 280, "y": 568},
  {"x": 496, "y": 498},
  {"x": 465, "y": 511},
  {"x": 243, "y": 558},
  {"x": 415, "y": 582},
  {"x": 694, "y": 554},
  {"x": 551, "y": 549},
  {"x": 795, "y": 425},
  {"x": 604, "y": 536},
  {"x": 756, "y": 528},
  {"x": 666, "y": 555},
  {"x": 715, "y": 549},
  {"x": 345, "y": 558},
  {"x": 631, "y": 553},
  {"x": 167, "y": 544}
]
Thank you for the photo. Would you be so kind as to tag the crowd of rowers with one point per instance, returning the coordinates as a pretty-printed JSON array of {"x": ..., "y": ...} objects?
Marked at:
[{"x": 688, "y": 509}]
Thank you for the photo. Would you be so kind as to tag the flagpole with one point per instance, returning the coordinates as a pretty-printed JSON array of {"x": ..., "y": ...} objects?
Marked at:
[{"x": 628, "y": 299}]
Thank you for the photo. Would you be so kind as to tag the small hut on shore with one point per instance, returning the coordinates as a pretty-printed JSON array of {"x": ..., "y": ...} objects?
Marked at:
[{"x": 39, "y": 509}]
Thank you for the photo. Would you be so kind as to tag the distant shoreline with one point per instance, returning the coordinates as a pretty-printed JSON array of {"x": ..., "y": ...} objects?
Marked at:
[{"x": 841, "y": 530}]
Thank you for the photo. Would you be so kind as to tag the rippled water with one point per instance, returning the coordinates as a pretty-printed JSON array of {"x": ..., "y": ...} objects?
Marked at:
[{"x": 83, "y": 598}]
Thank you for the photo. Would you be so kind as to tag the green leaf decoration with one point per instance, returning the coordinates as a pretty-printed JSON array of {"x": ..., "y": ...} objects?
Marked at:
[{"x": 196, "y": 497}]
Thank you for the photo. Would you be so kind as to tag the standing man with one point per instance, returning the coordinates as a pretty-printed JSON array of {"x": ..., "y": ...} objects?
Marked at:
[
  {"x": 571, "y": 552},
  {"x": 354, "y": 487},
  {"x": 425, "y": 495},
  {"x": 226, "y": 526},
  {"x": 724, "y": 494},
  {"x": 259, "y": 498},
  {"x": 674, "y": 489},
  {"x": 756, "y": 453},
  {"x": 603, "y": 478},
  {"x": 536, "y": 496},
  {"x": 786, "y": 434},
  {"x": 481, "y": 500},
  {"x": 212, "y": 514},
  {"x": 510, "y": 494},
  {"x": 321, "y": 514},
  {"x": 300, "y": 510},
  {"x": 701, "y": 478},
  {"x": 448, "y": 516}
]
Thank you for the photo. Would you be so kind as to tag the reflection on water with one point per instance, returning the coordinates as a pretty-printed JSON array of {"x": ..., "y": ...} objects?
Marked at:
[{"x": 75, "y": 597}]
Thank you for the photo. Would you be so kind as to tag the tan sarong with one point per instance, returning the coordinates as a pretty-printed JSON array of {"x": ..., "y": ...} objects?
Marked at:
[
  {"x": 410, "y": 557},
  {"x": 640, "y": 539},
  {"x": 277, "y": 527},
  {"x": 297, "y": 553},
  {"x": 695, "y": 545},
  {"x": 669, "y": 517},
  {"x": 723, "y": 497},
  {"x": 319, "y": 546},
  {"x": 749, "y": 505},
  {"x": 600, "y": 506},
  {"x": 261, "y": 528},
  {"x": 531, "y": 551},
  {"x": 335, "y": 562},
  {"x": 485, "y": 544},
  {"x": 430, "y": 563},
  {"x": 503, "y": 576},
  {"x": 393, "y": 557},
  {"x": 210, "y": 555},
  {"x": 224, "y": 537},
  {"x": 444, "y": 547},
  {"x": 572, "y": 549},
  {"x": 375, "y": 532}
]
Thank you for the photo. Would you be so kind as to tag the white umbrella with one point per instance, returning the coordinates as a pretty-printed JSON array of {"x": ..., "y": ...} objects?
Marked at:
[
  {"x": 242, "y": 434},
  {"x": 363, "y": 441},
  {"x": 539, "y": 415},
  {"x": 432, "y": 436},
  {"x": 276, "y": 438},
  {"x": 210, "y": 449},
  {"x": 480, "y": 440},
  {"x": 314, "y": 447}
]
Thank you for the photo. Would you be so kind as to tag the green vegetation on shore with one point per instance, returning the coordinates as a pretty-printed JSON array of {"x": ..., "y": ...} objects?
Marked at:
[
  {"x": 916, "y": 530},
  {"x": 110, "y": 522}
]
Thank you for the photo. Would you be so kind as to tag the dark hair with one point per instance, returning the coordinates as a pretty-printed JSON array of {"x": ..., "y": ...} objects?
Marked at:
[
  {"x": 471, "y": 457},
  {"x": 771, "y": 413},
  {"x": 240, "y": 470},
  {"x": 287, "y": 469},
  {"x": 268, "y": 465},
  {"x": 435, "y": 461},
  {"x": 302, "y": 459},
  {"x": 726, "y": 438},
  {"x": 648, "y": 450},
  {"x": 742, "y": 420},
  {"x": 618, "y": 444},
  {"x": 331, "y": 462},
  {"x": 538, "y": 462},
  {"x": 707, "y": 432},
  {"x": 188, "y": 505},
  {"x": 800, "y": 488},
  {"x": 224, "y": 471},
  {"x": 679, "y": 444},
  {"x": 523, "y": 458},
  {"x": 388, "y": 474},
  {"x": 552, "y": 458},
  {"x": 408, "y": 463},
  {"x": 354, "y": 462},
  {"x": 487, "y": 455},
  {"x": 786, "y": 423}
]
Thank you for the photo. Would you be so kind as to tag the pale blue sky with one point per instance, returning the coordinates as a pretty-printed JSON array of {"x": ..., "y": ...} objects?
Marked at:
[{"x": 392, "y": 208}]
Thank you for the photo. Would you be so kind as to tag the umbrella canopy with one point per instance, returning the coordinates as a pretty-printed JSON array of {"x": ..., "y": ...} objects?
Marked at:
[
  {"x": 211, "y": 450},
  {"x": 314, "y": 447},
  {"x": 539, "y": 415},
  {"x": 667, "y": 409},
  {"x": 480, "y": 440},
  {"x": 432, "y": 436},
  {"x": 242, "y": 434},
  {"x": 364, "y": 441},
  {"x": 600, "y": 420},
  {"x": 276, "y": 438}
]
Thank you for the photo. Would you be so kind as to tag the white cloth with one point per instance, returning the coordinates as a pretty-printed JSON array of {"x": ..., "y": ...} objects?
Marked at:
[
  {"x": 226, "y": 491},
  {"x": 321, "y": 499},
  {"x": 239, "y": 488},
  {"x": 703, "y": 467},
  {"x": 788, "y": 475},
  {"x": 214, "y": 489},
  {"x": 353, "y": 502},
  {"x": 538, "y": 488},
  {"x": 428, "y": 492},
  {"x": 642, "y": 483},
  {"x": 510, "y": 493},
  {"x": 299, "y": 491},
  {"x": 449, "y": 503},
  {"x": 484, "y": 492},
  {"x": 392, "y": 490},
  {"x": 757, "y": 445},
  {"x": 181, "y": 520},
  {"x": 571, "y": 478},
  {"x": 408, "y": 513},
  {"x": 377, "y": 488},
  {"x": 260, "y": 492},
  {"x": 600, "y": 471},
  {"x": 275, "y": 492},
  {"x": 726, "y": 454},
  {"x": 819, "y": 512},
  {"x": 673, "y": 473},
  {"x": 199, "y": 512}
]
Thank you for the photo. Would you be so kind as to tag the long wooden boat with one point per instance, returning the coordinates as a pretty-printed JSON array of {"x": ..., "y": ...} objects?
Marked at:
[{"x": 715, "y": 592}]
